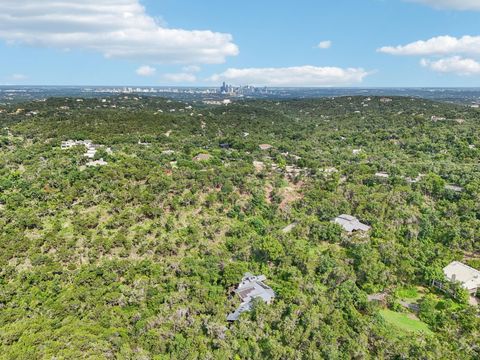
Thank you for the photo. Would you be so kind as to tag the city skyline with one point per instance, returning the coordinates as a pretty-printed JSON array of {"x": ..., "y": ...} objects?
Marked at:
[{"x": 374, "y": 43}]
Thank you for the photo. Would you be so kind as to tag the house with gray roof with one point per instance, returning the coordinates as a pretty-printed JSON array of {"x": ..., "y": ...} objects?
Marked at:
[
  {"x": 454, "y": 188},
  {"x": 350, "y": 223},
  {"x": 251, "y": 288}
]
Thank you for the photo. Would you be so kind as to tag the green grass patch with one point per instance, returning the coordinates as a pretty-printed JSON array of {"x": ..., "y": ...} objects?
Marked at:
[
  {"x": 403, "y": 322},
  {"x": 408, "y": 293}
]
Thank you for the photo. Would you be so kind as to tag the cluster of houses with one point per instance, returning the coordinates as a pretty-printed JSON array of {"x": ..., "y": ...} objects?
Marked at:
[
  {"x": 91, "y": 150},
  {"x": 466, "y": 276},
  {"x": 217, "y": 102},
  {"x": 291, "y": 171},
  {"x": 253, "y": 288},
  {"x": 451, "y": 187}
]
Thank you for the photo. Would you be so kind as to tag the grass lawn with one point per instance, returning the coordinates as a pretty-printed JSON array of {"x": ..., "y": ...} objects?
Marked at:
[
  {"x": 403, "y": 322},
  {"x": 408, "y": 293}
]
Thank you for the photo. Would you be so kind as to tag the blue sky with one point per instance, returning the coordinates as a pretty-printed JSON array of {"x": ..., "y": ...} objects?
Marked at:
[{"x": 368, "y": 43}]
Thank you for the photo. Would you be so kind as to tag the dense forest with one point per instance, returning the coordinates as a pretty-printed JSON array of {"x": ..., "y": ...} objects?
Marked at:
[{"x": 139, "y": 258}]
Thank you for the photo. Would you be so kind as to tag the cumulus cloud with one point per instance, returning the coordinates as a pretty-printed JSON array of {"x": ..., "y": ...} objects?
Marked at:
[
  {"x": 451, "y": 4},
  {"x": 192, "y": 69},
  {"x": 180, "y": 78},
  {"x": 449, "y": 48},
  {"x": 114, "y": 28},
  {"x": 146, "y": 71},
  {"x": 18, "y": 77},
  {"x": 455, "y": 64},
  {"x": 440, "y": 45},
  {"x": 327, "y": 44},
  {"x": 293, "y": 76}
]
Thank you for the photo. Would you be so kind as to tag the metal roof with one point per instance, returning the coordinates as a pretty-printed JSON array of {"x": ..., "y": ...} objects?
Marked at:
[
  {"x": 251, "y": 287},
  {"x": 466, "y": 275},
  {"x": 351, "y": 223}
]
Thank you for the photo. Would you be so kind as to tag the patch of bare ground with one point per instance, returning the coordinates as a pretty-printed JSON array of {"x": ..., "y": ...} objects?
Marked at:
[
  {"x": 471, "y": 255},
  {"x": 268, "y": 192},
  {"x": 290, "y": 194},
  {"x": 259, "y": 166}
]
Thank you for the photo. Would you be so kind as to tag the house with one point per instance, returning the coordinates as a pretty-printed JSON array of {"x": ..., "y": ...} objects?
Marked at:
[
  {"x": 454, "y": 188},
  {"x": 289, "y": 228},
  {"x": 350, "y": 223},
  {"x": 383, "y": 175},
  {"x": 251, "y": 288},
  {"x": 265, "y": 146},
  {"x": 466, "y": 275},
  {"x": 202, "y": 157},
  {"x": 380, "y": 298},
  {"x": 91, "y": 149},
  {"x": 293, "y": 171},
  {"x": 96, "y": 163},
  {"x": 67, "y": 144},
  {"x": 72, "y": 143},
  {"x": 91, "y": 152},
  {"x": 330, "y": 170}
]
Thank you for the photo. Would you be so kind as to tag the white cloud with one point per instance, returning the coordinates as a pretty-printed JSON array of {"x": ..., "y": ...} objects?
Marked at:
[
  {"x": 18, "y": 77},
  {"x": 455, "y": 64},
  {"x": 192, "y": 69},
  {"x": 441, "y": 45},
  {"x": 451, "y": 4},
  {"x": 327, "y": 44},
  {"x": 114, "y": 28},
  {"x": 293, "y": 76},
  {"x": 146, "y": 71},
  {"x": 448, "y": 46},
  {"x": 180, "y": 78}
]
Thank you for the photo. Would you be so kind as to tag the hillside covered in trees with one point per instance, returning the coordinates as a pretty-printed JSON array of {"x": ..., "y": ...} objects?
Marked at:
[{"x": 138, "y": 258}]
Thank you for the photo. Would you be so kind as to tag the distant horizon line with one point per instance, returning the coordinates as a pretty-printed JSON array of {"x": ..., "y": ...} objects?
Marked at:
[{"x": 256, "y": 86}]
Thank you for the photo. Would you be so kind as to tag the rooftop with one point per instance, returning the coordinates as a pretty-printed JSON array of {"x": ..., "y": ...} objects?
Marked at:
[
  {"x": 468, "y": 276},
  {"x": 265, "y": 146},
  {"x": 251, "y": 287},
  {"x": 202, "y": 157},
  {"x": 96, "y": 163},
  {"x": 455, "y": 188},
  {"x": 351, "y": 223},
  {"x": 382, "y": 175}
]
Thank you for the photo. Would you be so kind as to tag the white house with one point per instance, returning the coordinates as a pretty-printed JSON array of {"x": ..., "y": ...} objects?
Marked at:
[
  {"x": 466, "y": 275},
  {"x": 96, "y": 163},
  {"x": 382, "y": 174}
]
